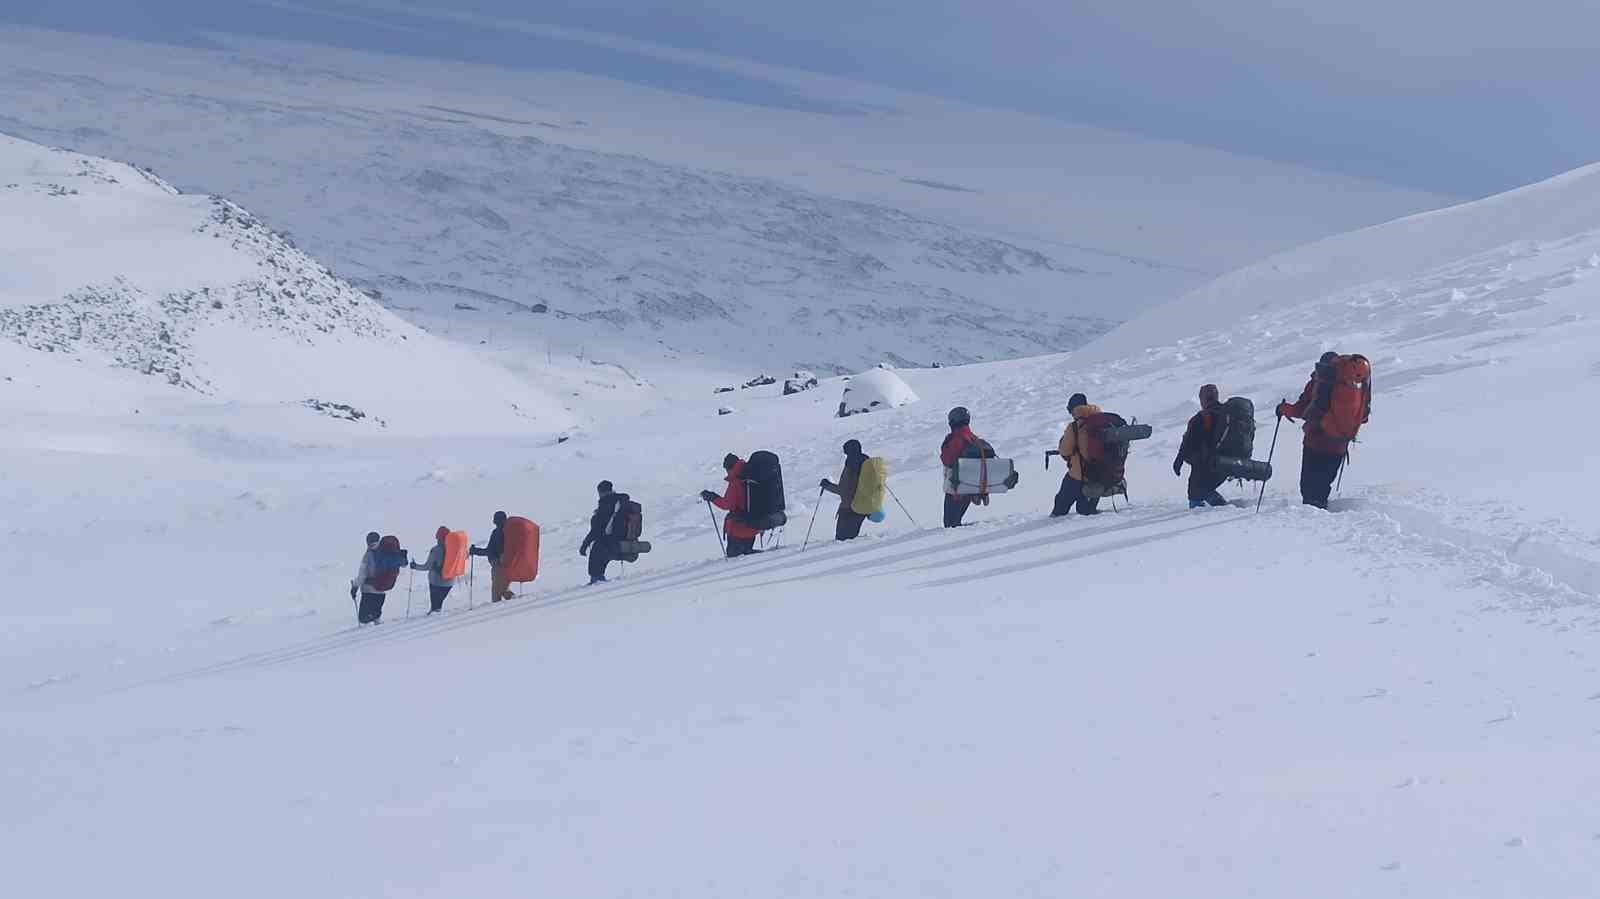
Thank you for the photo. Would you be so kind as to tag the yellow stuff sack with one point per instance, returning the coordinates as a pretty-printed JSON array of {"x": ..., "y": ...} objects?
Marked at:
[{"x": 870, "y": 487}]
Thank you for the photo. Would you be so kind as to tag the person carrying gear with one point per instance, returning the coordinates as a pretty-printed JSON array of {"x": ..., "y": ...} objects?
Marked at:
[
  {"x": 1198, "y": 449},
  {"x": 958, "y": 442},
  {"x": 376, "y": 576},
  {"x": 849, "y": 521},
  {"x": 1335, "y": 403},
  {"x": 735, "y": 501},
  {"x": 600, "y": 545},
  {"x": 499, "y": 585},
  {"x": 1070, "y": 495},
  {"x": 438, "y": 585}
]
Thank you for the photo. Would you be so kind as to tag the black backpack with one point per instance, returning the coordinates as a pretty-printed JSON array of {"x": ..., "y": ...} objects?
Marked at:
[
  {"x": 627, "y": 523},
  {"x": 763, "y": 477},
  {"x": 1234, "y": 431}
]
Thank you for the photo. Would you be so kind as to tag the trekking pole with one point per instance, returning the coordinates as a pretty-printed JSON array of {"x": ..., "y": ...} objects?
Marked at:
[
  {"x": 411, "y": 583},
  {"x": 1342, "y": 463},
  {"x": 1270, "y": 453},
  {"x": 472, "y": 579},
  {"x": 807, "y": 542},
  {"x": 718, "y": 531},
  {"x": 901, "y": 505}
]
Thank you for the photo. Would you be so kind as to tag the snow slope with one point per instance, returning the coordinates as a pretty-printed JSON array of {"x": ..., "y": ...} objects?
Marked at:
[
  {"x": 674, "y": 233},
  {"x": 1515, "y": 225},
  {"x": 1396, "y": 699},
  {"x": 1491, "y": 324},
  {"x": 111, "y": 266}
]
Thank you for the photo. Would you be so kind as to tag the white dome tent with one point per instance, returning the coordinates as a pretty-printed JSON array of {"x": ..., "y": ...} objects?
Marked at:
[{"x": 873, "y": 391}]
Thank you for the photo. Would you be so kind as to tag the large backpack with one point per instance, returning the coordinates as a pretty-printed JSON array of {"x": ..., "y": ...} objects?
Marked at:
[
  {"x": 386, "y": 564},
  {"x": 992, "y": 474},
  {"x": 627, "y": 523},
  {"x": 1343, "y": 399},
  {"x": 1104, "y": 463},
  {"x": 1234, "y": 429},
  {"x": 456, "y": 546},
  {"x": 870, "y": 486},
  {"x": 519, "y": 562},
  {"x": 764, "y": 503}
]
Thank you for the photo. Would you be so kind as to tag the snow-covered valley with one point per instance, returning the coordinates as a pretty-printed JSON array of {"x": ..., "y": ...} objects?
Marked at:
[{"x": 546, "y": 213}]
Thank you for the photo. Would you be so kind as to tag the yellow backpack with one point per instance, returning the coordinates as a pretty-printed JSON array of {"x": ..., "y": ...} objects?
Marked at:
[{"x": 870, "y": 486}]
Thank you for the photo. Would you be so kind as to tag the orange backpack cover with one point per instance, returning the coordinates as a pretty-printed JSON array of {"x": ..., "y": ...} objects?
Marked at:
[
  {"x": 519, "y": 562},
  {"x": 1350, "y": 401},
  {"x": 456, "y": 544}
]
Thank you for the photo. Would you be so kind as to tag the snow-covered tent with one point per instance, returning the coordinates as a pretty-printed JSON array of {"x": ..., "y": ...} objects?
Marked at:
[{"x": 875, "y": 390}]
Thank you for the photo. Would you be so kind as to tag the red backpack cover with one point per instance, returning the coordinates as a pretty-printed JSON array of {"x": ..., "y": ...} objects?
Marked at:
[
  {"x": 1103, "y": 463},
  {"x": 386, "y": 564},
  {"x": 1349, "y": 399},
  {"x": 519, "y": 563}
]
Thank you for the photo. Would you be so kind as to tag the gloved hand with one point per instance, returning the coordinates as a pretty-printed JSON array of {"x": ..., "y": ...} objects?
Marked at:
[
  {"x": 584, "y": 549},
  {"x": 825, "y": 483},
  {"x": 352, "y": 591},
  {"x": 1286, "y": 411},
  {"x": 1177, "y": 467},
  {"x": 708, "y": 496}
]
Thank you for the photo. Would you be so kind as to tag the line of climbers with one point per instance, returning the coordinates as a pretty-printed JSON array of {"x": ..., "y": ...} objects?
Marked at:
[
  {"x": 1218, "y": 445},
  {"x": 1335, "y": 403}
]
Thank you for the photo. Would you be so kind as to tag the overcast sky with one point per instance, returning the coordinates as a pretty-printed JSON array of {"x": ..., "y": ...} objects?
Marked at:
[{"x": 1449, "y": 95}]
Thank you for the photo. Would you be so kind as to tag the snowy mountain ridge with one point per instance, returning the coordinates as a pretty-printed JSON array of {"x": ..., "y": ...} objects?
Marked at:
[
  {"x": 111, "y": 266},
  {"x": 255, "y": 280},
  {"x": 1559, "y": 211}
]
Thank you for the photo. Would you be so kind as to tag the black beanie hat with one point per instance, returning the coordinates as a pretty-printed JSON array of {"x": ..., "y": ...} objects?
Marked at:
[
  {"x": 499, "y": 518},
  {"x": 1076, "y": 400},
  {"x": 852, "y": 447},
  {"x": 729, "y": 461},
  {"x": 959, "y": 416},
  {"x": 373, "y": 537},
  {"x": 603, "y": 487}
]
